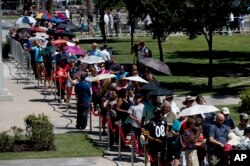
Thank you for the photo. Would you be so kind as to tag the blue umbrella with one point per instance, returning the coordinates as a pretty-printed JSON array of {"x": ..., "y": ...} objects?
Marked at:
[
  {"x": 56, "y": 20},
  {"x": 26, "y": 20}
]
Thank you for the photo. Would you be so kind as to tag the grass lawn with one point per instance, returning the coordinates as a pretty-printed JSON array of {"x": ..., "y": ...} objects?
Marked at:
[
  {"x": 67, "y": 145},
  {"x": 188, "y": 61}
]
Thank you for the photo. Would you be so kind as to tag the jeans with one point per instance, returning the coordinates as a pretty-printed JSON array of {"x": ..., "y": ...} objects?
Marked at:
[{"x": 82, "y": 117}]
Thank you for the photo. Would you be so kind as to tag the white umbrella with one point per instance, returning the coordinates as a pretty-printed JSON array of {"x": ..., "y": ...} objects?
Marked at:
[
  {"x": 26, "y": 19},
  {"x": 22, "y": 26},
  {"x": 92, "y": 60},
  {"x": 136, "y": 78},
  {"x": 198, "y": 109},
  {"x": 41, "y": 34},
  {"x": 102, "y": 77}
]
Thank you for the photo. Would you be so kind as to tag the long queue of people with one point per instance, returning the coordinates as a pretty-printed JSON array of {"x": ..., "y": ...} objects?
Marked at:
[{"x": 192, "y": 140}]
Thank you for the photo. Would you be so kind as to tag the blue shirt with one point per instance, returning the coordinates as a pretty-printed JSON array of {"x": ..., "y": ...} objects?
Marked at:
[
  {"x": 82, "y": 90},
  {"x": 176, "y": 128},
  {"x": 95, "y": 52},
  {"x": 119, "y": 75},
  {"x": 38, "y": 56},
  {"x": 219, "y": 133}
]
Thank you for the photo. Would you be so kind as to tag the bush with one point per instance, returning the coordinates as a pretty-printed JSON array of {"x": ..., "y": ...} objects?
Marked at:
[
  {"x": 245, "y": 101},
  {"x": 39, "y": 131},
  {"x": 7, "y": 142}
]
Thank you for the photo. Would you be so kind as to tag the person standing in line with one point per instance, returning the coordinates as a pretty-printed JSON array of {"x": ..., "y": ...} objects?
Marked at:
[
  {"x": 95, "y": 51},
  {"x": 111, "y": 23},
  {"x": 83, "y": 94},
  {"x": 239, "y": 130},
  {"x": 106, "y": 56},
  {"x": 228, "y": 120},
  {"x": 135, "y": 113},
  {"x": 189, "y": 138},
  {"x": 218, "y": 137},
  {"x": 157, "y": 127}
]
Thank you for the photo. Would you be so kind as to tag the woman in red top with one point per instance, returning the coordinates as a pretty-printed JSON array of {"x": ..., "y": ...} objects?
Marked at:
[{"x": 60, "y": 76}]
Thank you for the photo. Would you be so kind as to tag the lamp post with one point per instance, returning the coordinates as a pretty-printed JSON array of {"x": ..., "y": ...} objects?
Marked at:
[{"x": 4, "y": 94}]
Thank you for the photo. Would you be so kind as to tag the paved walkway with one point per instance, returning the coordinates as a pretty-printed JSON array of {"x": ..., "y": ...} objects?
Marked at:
[{"x": 29, "y": 98}]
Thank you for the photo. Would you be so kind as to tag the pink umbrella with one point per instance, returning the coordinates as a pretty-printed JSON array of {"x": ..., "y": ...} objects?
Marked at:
[
  {"x": 74, "y": 50},
  {"x": 61, "y": 16}
]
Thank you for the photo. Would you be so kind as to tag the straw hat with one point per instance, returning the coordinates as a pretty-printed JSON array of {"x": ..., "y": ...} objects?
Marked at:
[{"x": 187, "y": 99}]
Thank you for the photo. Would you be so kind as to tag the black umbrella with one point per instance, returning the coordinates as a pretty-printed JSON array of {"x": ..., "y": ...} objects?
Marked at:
[
  {"x": 149, "y": 87},
  {"x": 156, "y": 64},
  {"x": 67, "y": 26},
  {"x": 67, "y": 33},
  {"x": 160, "y": 92}
]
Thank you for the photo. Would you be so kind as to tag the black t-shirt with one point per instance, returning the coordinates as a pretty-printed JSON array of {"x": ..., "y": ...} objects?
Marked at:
[{"x": 157, "y": 129}]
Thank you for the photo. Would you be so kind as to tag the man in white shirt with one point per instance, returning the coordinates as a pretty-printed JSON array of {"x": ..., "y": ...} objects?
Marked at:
[
  {"x": 106, "y": 23},
  {"x": 67, "y": 14},
  {"x": 106, "y": 56}
]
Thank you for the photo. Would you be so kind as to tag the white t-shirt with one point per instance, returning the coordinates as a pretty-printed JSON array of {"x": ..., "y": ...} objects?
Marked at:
[
  {"x": 136, "y": 111},
  {"x": 106, "y": 18},
  {"x": 67, "y": 14},
  {"x": 105, "y": 55}
]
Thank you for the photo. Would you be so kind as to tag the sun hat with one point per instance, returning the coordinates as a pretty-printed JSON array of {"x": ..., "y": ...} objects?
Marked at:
[
  {"x": 187, "y": 99},
  {"x": 225, "y": 111},
  {"x": 243, "y": 116}
]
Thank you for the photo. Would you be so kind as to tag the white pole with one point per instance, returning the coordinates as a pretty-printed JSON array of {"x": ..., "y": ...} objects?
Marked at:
[{"x": 4, "y": 93}]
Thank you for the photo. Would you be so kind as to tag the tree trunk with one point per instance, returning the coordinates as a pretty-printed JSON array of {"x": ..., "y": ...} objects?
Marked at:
[
  {"x": 101, "y": 24},
  {"x": 210, "y": 65},
  {"x": 160, "y": 46},
  {"x": 50, "y": 7},
  {"x": 132, "y": 36}
]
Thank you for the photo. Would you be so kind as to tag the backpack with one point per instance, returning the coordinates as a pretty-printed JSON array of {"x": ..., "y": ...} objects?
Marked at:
[{"x": 149, "y": 52}]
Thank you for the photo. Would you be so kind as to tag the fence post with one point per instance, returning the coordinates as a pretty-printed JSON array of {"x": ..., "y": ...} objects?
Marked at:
[
  {"x": 108, "y": 119},
  {"x": 100, "y": 121},
  {"x": 133, "y": 148},
  {"x": 119, "y": 148},
  {"x": 90, "y": 116}
]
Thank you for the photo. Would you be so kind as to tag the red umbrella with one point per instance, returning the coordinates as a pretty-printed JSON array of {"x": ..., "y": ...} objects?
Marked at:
[
  {"x": 37, "y": 29},
  {"x": 58, "y": 42}
]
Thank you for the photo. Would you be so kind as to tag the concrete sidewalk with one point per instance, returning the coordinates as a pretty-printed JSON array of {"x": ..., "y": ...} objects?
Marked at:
[{"x": 29, "y": 98}]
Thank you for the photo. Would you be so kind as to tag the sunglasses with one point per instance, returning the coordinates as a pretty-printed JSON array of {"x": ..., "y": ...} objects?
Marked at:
[{"x": 102, "y": 66}]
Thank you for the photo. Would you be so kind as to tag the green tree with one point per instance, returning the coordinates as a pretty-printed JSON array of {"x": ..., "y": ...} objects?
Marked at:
[
  {"x": 136, "y": 11},
  {"x": 205, "y": 17},
  {"x": 165, "y": 16},
  {"x": 104, "y": 5},
  {"x": 50, "y": 6}
]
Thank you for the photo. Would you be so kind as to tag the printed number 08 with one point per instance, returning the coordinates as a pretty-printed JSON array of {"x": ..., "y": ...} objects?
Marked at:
[{"x": 160, "y": 131}]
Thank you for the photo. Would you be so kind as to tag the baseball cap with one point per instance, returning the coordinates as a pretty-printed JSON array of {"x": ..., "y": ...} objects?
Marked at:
[
  {"x": 225, "y": 110},
  {"x": 243, "y": 116},
  {"x": 138, "y": 95}
]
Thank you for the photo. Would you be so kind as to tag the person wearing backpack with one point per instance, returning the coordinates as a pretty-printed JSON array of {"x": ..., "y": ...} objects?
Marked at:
[{"x": 144, "y": 52}]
